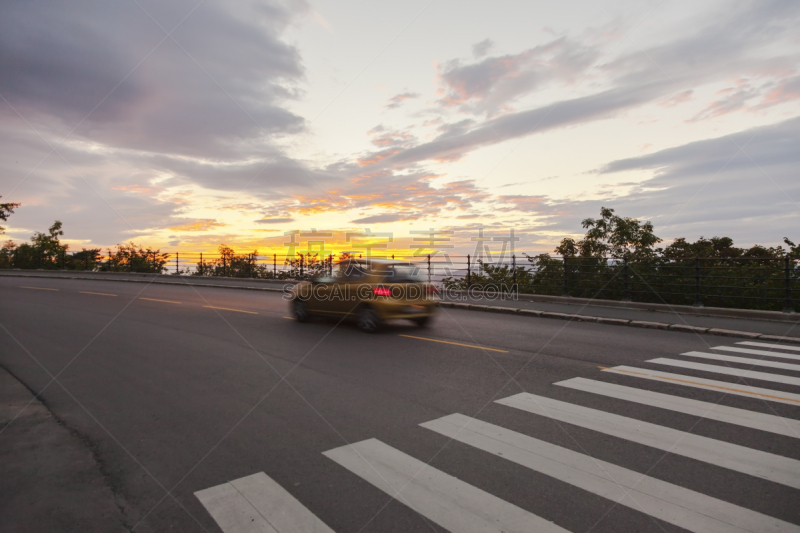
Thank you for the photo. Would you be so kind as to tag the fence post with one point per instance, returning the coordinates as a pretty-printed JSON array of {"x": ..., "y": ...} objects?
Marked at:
[
  {"x": 250, "y": 265},
  {"x": 202, "y": 273},
  {"x": 787, "y": 306},
  {"x": 566, "y": 277},
  {"x": 429, "y": 268},
  {"x": 224, "y": 267},
  {"x": 301, "y": 265},
  {"x": 698, "y": 302},
  {"x": 469, "y": 274},
  {"x": 177, "y": 263},
  {"x": 275, "y": 266},
  {"x": 514, "y": 266},
  {"x": 330, "y": 265},
  {"x": 627, "y": 295}
]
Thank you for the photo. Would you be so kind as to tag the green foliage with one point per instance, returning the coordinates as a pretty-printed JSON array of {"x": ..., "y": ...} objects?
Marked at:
[
  {"x": 7, "y": 254},
  {"x": 5, "y": 211},
  {"x": 246, "y": 266},
  {"x": 132, "y": 258},
  {"x": 45, "y": 250},
  {"x": 611, "y": 236},
  {"x": 232, "y": 265},
  {"x": 617, "y": 259},
  {"x": 489, "y": 276}
]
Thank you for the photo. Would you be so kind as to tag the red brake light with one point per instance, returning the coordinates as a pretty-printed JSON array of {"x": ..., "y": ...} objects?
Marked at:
[
  {"x": 430, "y": 289},
  {"x": 381, "y": 291}
]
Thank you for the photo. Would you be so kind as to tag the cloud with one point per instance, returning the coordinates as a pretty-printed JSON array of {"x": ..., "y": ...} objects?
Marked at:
[
  {"x": 105, "y": 64},
  {"x": 377, "y": 219},
  {"x": 531, "y": 204},
  {"x": 275, "y": 220},
  {"x": 742, "y": 185},
  {"x": 733, "y": 99},
  {"x": 727, "y": 47},
  {"x": 398, "y": 99},
  {"x": 491, "y": 84},
  {"x": 198, "y": 225},
  {"x": 482, "y": 48},
  {"x": 390, "y": 138},
  {"x": 786, "y": 90}
]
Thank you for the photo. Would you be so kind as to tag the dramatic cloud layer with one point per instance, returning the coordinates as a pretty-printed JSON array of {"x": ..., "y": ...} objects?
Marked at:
[{"x": 191, "y": 121}]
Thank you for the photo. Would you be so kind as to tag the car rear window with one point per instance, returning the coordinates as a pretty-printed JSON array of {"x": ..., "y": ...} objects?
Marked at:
[{"x": 403, "y": 274}]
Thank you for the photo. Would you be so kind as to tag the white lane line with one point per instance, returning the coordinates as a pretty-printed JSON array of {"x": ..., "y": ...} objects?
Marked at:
[
  {"x": 258, "y": 504},
  {"x": 736, "y": 389},
  {"x": 767, "y": 345},
  {"x": 682, "y": 507},
  {"x": 765, "y": 465},
  {"x": 781, "y": 355},
  {"x": 728, "y": 371},
  {"x": 440, "y": 497},
  {"x": 744, "y": 360},
  {"x": 722, "y": 413}
]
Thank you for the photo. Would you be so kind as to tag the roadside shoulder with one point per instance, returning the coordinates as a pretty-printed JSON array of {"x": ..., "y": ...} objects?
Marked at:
[{"x": 50, "y": 479}]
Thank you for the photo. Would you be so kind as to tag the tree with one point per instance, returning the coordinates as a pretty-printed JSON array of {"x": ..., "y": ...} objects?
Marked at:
[
  {"x": 132, "y": 258},
  {"x": 5, "y": 211},
  {"x": 7, "y": 254},
  {"x": 44, "y": 251},
  {"x": 612, "y": 236},
  {"x": 231, "y": 265}
]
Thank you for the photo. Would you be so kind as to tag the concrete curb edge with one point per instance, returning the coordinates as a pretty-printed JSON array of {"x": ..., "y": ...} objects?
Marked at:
[{"x": 620, "y": 322}]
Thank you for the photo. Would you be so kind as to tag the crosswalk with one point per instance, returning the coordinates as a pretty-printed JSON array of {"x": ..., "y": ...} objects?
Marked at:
[{"x": 259, "y": 504}]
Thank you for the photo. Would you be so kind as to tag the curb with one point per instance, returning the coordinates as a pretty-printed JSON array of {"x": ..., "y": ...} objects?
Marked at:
[
  {"x": 152, "y": 281},
  {"x": 620, "y": 322},
  {"x": 721, "y": 312}
]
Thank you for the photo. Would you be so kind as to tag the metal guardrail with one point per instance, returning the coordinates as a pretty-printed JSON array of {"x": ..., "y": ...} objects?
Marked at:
[{"x": 740, "y": 282}]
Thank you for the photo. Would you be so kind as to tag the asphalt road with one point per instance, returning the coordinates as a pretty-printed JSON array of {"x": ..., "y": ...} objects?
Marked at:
[{"x": 183, "y": 389}]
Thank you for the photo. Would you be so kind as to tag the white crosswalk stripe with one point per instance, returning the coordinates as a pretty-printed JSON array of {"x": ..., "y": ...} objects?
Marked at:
[
  {"x": 676, "y": 505},
  {"x": 770, "y": 353},
  {"x": 440, "y": 497},
  {"x": 718, "y": 369},
  {"x": 767, "y": 345},
  {"x": 732, "y": 415},
  {"x": 744, "y": 360},
  {"x": 737, "y": 389},
  {"x": 725, "y": 454},
  {"x": 257, "y": 504}
]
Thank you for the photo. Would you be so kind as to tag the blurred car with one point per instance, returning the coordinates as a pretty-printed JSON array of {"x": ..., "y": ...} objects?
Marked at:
[{"x": 371, "y": 291}]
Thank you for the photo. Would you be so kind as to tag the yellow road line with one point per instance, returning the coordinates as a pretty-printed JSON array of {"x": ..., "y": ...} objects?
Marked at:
[
  {"x": 455, "y": 343},
  {"x": 155, "y": 300},
  {"x": 288, "y": 318},
  {"x": 229, "y": 309},
  {"x": 729, "y": 389},
  {"x": 37, "y": 288},
  {"x": 97, "y": 293}
]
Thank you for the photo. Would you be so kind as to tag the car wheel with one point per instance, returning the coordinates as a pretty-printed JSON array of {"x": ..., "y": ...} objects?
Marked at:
[
  {"x": 368, "y": 320},
  {"x": 300, "y": 311},
  {"x": 422, "y": 321}
]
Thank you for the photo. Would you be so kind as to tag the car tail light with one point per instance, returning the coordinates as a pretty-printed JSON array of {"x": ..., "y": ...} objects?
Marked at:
[
  {"x": 430, "y": 289},
  {"x": 381, "y": 291}
]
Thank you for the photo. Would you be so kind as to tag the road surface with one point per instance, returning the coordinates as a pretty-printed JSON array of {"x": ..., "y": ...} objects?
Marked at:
[{"x": 209, "y": 409}]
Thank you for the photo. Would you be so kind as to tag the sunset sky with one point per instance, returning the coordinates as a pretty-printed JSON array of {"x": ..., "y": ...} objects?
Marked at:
[{"x": 187, "y": 125}]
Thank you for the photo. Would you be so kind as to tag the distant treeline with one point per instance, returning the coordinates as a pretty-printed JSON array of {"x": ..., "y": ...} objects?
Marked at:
[{"x": 618, "y": 258}]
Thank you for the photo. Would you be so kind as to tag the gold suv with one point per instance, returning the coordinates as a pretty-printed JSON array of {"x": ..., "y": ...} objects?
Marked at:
[{"x": 369, "y": 290}]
